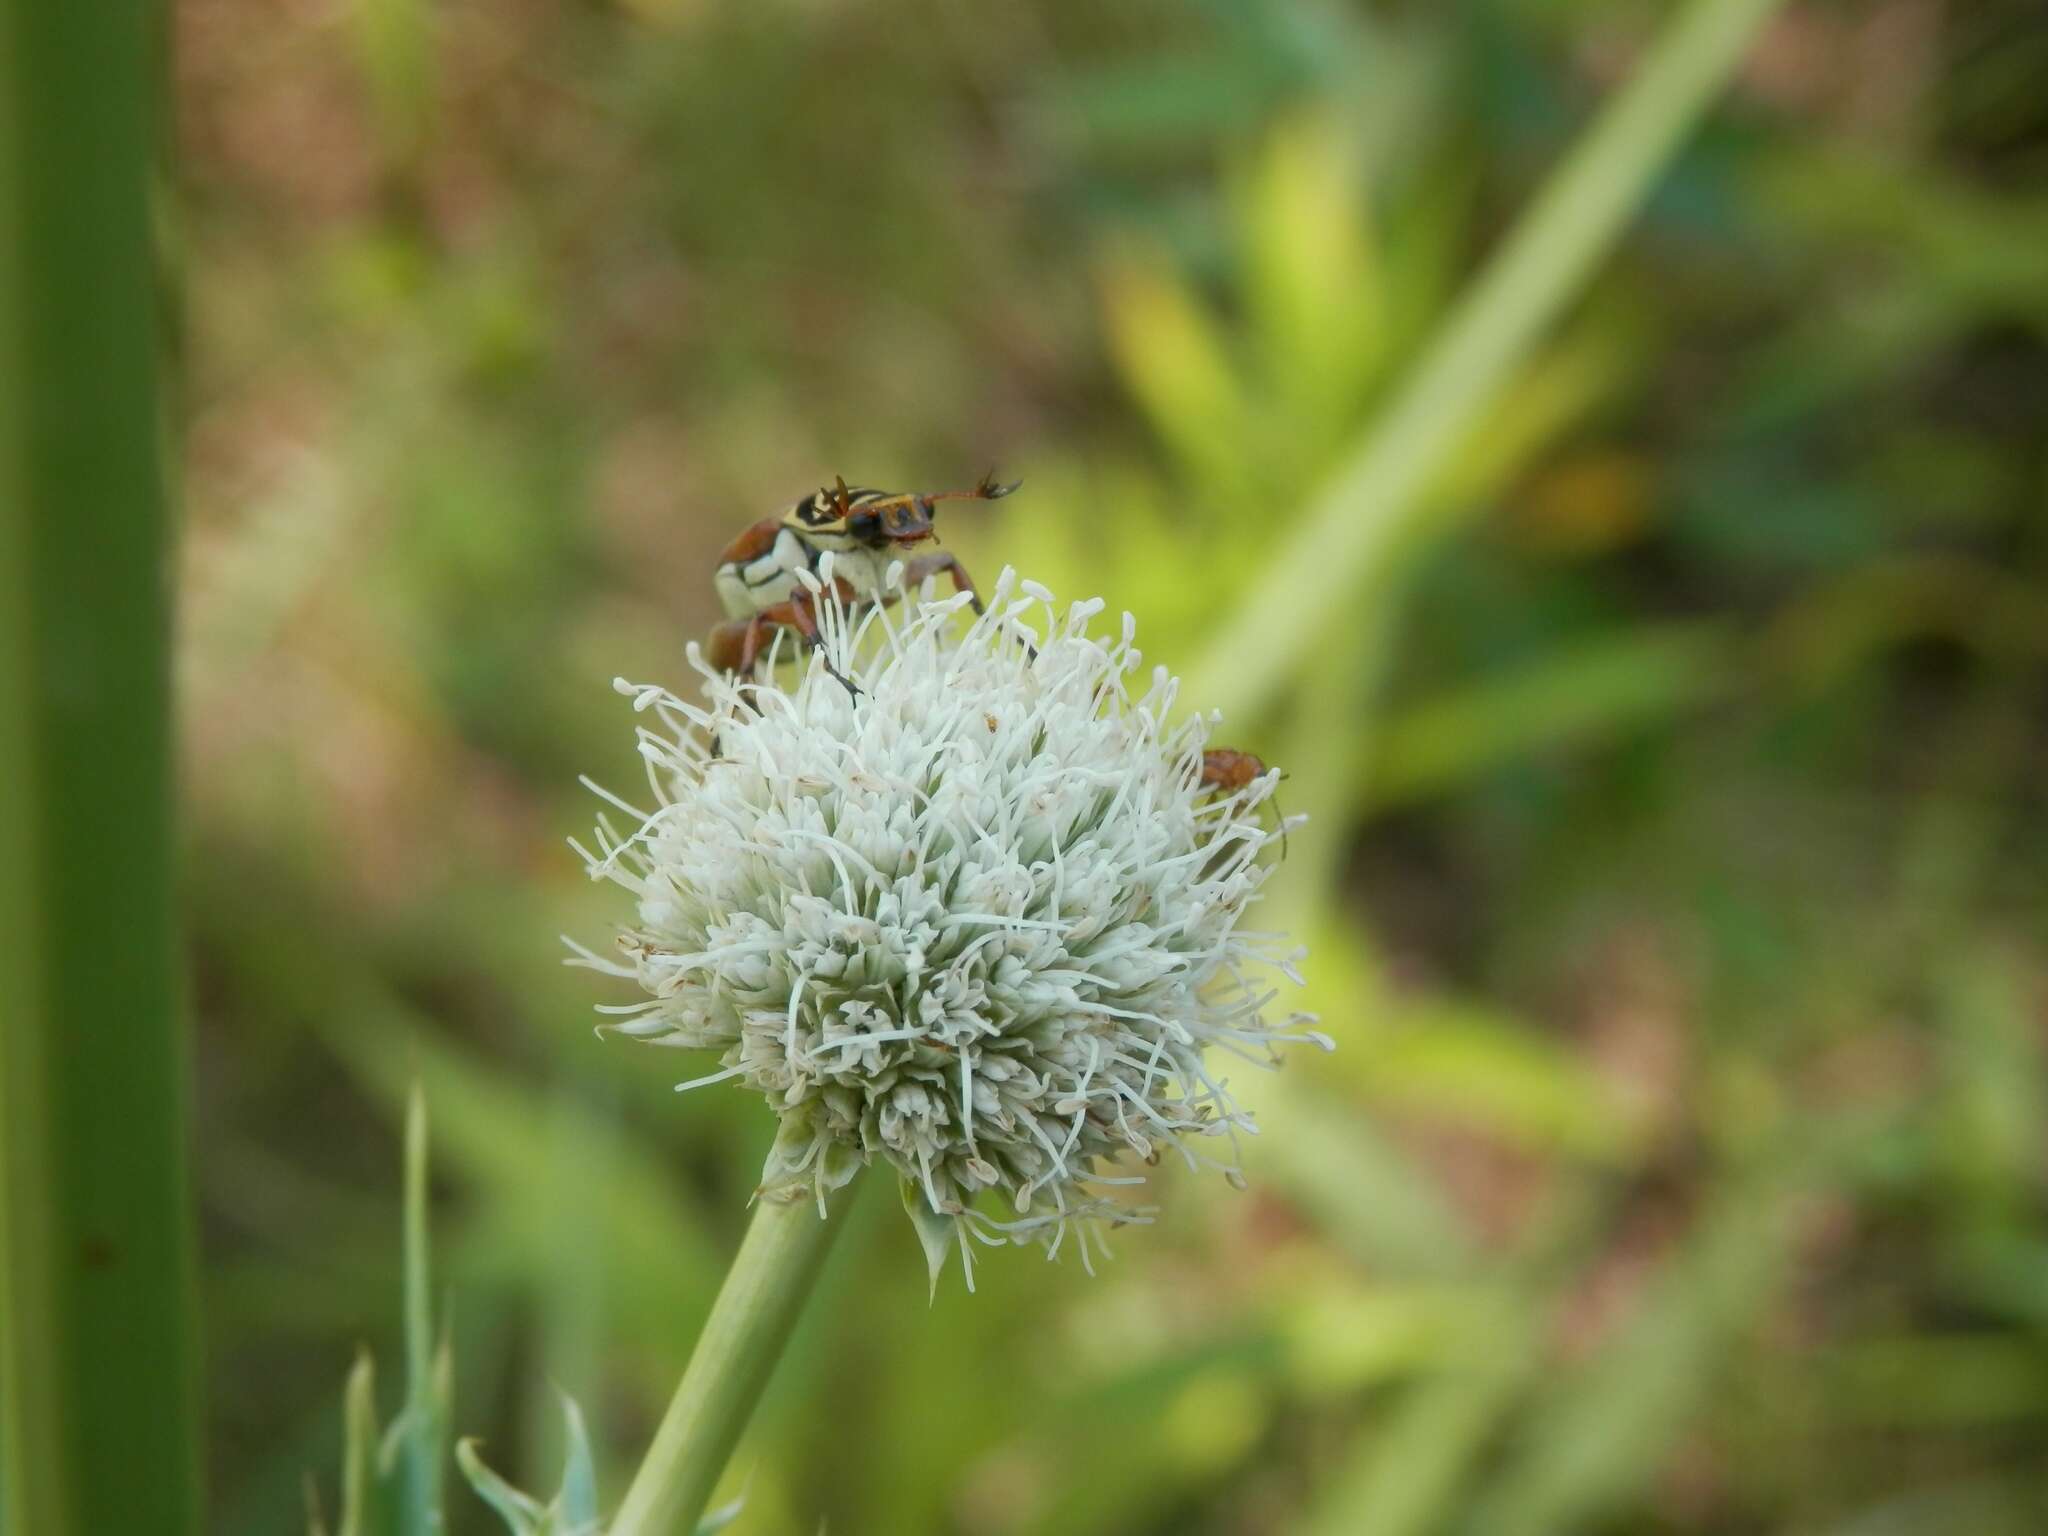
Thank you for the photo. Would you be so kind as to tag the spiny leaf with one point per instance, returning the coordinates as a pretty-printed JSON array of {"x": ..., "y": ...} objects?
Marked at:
[
  {"x": 523, "y": 1514},
  {"x": 574, "y": 1510},
  {"x": 391, "y": 1476},
  {"x": 578, "y": 1498}
]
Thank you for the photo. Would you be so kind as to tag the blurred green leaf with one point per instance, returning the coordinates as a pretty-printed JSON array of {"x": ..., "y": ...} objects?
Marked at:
[
  {"x": 1369, "y": 501},
  {"x": 654, "y": 1247},
  {"x": 1993, "y": 1117},
  {"x": 1593, "y": 688},
  {"x": 1879, "y": 605},
  {"x": 1950, "y": 1381},
  {"x": 1361, "y": 1192},
  {"x": 1493, "y": 1074},
  {"x": 1316, "y": 299},
  {"x": 1174, "y": 360},
  {"x": 1983, "y": 1507},
  {"x": 1343, "y": 1337},
  {"x": 1407, "y": 1469},
  {"x": 1140, "y": 1441},
  {"x": 1600, "y": 1432}
]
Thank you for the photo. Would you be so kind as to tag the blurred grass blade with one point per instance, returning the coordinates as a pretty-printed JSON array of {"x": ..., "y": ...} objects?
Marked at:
[
  {"x": 724, "y": 1516},
  {"x": 1384, "y": 1211},
  {"x": 1174, "y": 359},
  {"x": 1989, "y": 1102},
  {"x": 1403, "y": 1478},
  {"x": 97, "y": 1349},
  {"x": 656, "y": 1254},
  {"x": 419, "y": 1500},
  {"x": 1536, "y": 273},
  {"x": 391, "y": 1481},
  {"x": 1591, "y": 688},
  {"x": 1981, "y": 1506},
  {"x": 1459, "y": 1063},
  {"x": 1604, "y": 1431},
  {"x": 360, "y": 1514},
  {"x": 1313, "y": 285}
]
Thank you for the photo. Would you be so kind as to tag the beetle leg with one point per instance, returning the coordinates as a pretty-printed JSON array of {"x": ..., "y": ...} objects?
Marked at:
[
  {"x": 945, "y": 563},
  {"x": 915, "y": 571},
  {"x": 739, "y": 644},
  {"x": 799, "y": 613},
  {"x": 731, "y": 645},
  {"x": 735, "y": 647}
]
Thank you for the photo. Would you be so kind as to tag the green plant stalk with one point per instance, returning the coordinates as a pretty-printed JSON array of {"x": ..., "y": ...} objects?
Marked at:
[
  {"x": 1362, "y": 517},
  {"x": 750, "y": 1322},
  {"x": 97, "y": 1344}
]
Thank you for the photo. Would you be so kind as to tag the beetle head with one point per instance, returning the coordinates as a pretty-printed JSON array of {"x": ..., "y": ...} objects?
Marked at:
[
  {"x": 840, "y": 516},
  {"x": 896, "y": 521}
]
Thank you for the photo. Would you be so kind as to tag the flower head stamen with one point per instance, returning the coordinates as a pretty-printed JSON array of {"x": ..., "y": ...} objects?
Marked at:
[{"x": 977, "y": 920}]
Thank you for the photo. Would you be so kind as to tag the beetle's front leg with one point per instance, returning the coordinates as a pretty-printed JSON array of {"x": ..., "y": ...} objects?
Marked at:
[
  {"x": 737, "y": 645},
  {"x": 800, "y": 613},
  {"x": 944, "y": 563}
]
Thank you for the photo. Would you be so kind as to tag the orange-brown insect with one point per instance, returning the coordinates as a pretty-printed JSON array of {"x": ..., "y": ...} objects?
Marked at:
[
  {"x": 1227, "y": 770},
  {"x": 863, "y": 529}
]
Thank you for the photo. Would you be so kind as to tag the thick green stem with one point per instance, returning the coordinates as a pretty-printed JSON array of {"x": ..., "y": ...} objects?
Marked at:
[
  {"x": 751, "y": 1320},
  {"x": 98, "y": 1420},
  {"x": 1362, "y": 515}
]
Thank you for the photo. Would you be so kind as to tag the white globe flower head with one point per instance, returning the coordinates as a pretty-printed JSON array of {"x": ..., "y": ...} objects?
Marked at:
[{"x": 979, "y": 921}]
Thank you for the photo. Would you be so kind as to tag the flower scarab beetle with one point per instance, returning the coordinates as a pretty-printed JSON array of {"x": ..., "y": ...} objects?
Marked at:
[{"x": 864, "y": 530}]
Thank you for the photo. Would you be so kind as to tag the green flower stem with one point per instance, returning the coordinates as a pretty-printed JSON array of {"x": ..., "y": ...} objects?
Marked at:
[
  {"x": 750, "y": 1322},
  {"x": 1363, "y": 515},
  {"x": 98, "y": 1345}
]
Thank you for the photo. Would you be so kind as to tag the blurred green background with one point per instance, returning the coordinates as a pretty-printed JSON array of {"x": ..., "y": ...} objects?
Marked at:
[{"x": 1677, "y": 881}]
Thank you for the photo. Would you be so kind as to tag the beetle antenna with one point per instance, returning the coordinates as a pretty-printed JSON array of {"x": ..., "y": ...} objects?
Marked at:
[{"x": 985, "y": 489}]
